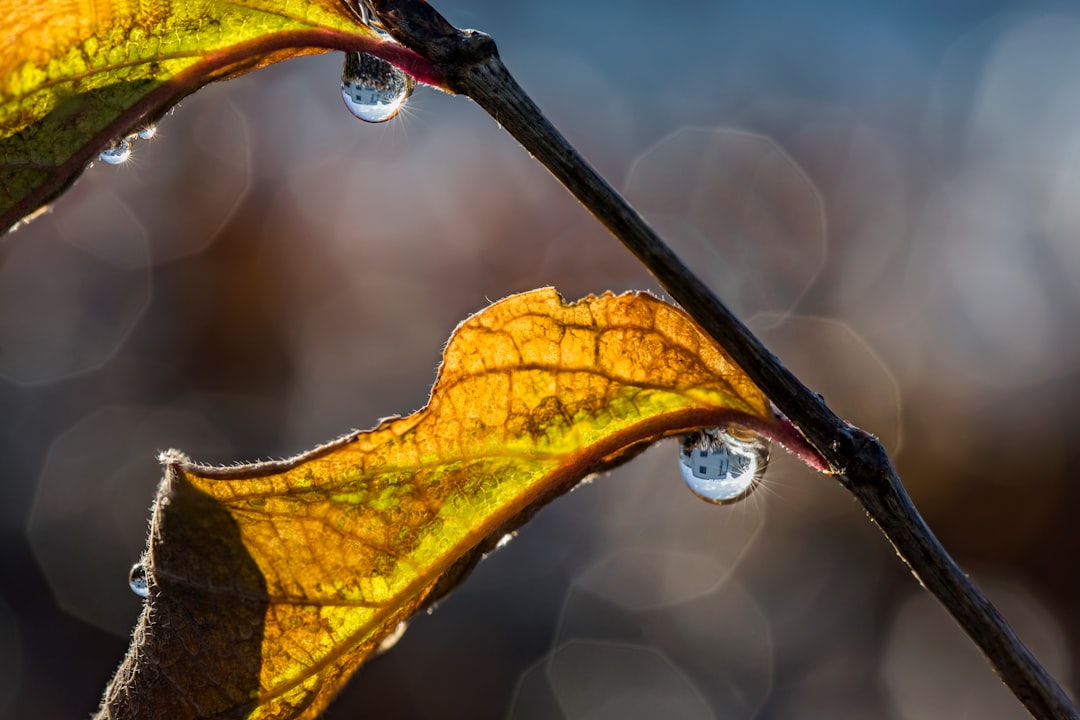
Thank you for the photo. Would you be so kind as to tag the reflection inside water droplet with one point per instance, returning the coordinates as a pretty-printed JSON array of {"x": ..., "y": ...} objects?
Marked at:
[
  {"x": 118, "y": 153},
  {"x": 146, "y": 132},
  {"x": 137, "y": 580},
  {"x": 367, "y": 16},
  {"x": 373, "y": 89},
  {"x": 723, "y": 465}
]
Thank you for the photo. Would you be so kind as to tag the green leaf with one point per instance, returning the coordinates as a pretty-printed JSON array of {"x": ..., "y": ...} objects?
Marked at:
[{"x": 76, "y": 75}]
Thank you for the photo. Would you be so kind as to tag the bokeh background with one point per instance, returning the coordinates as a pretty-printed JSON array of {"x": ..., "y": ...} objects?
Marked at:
[{"x": 888, "y": 191}]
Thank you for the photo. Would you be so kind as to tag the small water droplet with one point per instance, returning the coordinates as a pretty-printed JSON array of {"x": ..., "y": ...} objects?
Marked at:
[
  {"x": 723, "y": 465},
  {"x": 137, "y": 580},
  {"x": 146, "y": 132},
  {"x": 391, "y": 640},
  {"x": 118, "y": 153},
  {"x": 501, "y": 543},
  {"x": 373, "y": 89}
]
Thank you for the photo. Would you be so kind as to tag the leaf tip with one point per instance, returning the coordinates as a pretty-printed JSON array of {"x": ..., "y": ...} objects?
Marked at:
[{"x": 173, "y": 459}]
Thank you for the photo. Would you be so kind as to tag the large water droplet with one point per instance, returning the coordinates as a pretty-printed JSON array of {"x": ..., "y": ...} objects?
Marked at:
[
  {"x": 723, "y": 465},
  {"x": 117, "y": 153},
  {"x": 373, "y": 89},
  {"x": 137, "y": 580}
]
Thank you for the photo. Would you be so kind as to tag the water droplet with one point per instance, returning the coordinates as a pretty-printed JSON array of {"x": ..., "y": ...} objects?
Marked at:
[
  {"x": 137, "y": 580},
  {"x": 118, "y": 153},
  {"x": 373, "y": 89},
  {"x": 392, "y": 639},
  {"x": 501, "y": 543},
  {"x": 146, "y": 132},
  {"x": 723, "y": 465}
]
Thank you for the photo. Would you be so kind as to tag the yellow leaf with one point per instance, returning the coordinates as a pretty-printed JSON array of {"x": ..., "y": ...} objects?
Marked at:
[
  {"x": 270, "y": 583},
  {"x": 75, "y": 75}
]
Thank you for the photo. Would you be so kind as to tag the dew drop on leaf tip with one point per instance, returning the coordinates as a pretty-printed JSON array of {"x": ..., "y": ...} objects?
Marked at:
[
  {"x": 723, "y": 464},
  {"x": 137, "y": 580},
  {"x": 373, "y": 89}
]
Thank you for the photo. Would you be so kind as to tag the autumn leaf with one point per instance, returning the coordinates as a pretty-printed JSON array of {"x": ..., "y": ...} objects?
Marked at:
[
  {"x": 268, "y": 584},
  {"x": 75, "y": 75}
]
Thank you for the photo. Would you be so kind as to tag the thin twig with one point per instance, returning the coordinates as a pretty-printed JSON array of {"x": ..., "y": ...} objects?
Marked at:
[{"x": 473, "y": 68}]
